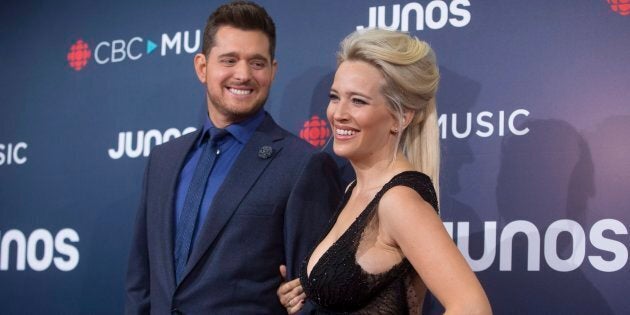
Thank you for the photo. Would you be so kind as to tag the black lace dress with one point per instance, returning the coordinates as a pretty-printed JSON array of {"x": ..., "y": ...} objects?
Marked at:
[{"x": 338, "y": 285}]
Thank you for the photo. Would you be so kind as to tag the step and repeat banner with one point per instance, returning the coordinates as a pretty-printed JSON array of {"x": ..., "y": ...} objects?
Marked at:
[{"x": 534, "y": 108}]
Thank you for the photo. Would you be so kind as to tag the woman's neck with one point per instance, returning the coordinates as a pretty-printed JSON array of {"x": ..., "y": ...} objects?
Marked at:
[{"x": 375, "y": 174}]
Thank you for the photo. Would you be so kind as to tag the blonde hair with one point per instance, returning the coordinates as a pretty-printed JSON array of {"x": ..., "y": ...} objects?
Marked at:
[{"x": 411, "y": 77}]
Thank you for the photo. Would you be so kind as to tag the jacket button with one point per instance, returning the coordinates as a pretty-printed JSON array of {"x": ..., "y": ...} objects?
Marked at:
[{"x": 176, "y": 311}]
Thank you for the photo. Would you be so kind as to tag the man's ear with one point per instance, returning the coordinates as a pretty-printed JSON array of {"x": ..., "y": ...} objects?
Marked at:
[
  {"x": 200, "y": 63},
  {"x": 274, "y": 68}
]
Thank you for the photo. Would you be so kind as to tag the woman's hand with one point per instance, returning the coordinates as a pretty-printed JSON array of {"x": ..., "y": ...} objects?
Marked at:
[{"x": 290, "y": 294}]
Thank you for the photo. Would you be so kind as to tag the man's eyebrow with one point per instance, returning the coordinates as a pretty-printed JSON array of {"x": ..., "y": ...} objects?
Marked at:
[{"x": 235, "y": 55}]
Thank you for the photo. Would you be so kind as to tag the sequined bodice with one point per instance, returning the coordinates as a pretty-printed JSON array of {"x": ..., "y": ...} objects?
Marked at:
[{"x": 338, "y": 285}]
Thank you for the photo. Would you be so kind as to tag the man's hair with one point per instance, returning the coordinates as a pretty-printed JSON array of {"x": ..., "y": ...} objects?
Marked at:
[{"x": 244, "y": 15}]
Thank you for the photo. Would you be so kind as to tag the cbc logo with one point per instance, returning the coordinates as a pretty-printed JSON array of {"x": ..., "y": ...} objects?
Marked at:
[
  {"x": 119, "y": 50},
  {"x": 59, "y": 250},
  {"x": 132, "y": 49},
  {"x": 315, "y": 131},
  {"x": 620, "y": 6},
  {"x": 12, "y": 153},
  {"x": 435, "y": 15}
]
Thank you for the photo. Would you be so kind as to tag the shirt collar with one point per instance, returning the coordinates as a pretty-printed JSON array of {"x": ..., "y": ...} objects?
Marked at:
[{"x": 241, "y": 131}]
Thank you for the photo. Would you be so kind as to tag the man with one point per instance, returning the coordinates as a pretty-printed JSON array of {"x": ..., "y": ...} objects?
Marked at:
[{"x": 260, "y": 197}]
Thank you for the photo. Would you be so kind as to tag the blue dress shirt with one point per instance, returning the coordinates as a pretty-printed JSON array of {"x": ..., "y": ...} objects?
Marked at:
[{"x": 229, "y": 147}]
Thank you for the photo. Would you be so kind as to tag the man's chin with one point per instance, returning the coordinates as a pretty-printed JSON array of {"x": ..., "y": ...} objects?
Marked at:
[{"x": 235, "y": 115}]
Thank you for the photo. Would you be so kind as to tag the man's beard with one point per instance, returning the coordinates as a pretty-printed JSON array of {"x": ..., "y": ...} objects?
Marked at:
[{"x": 233, "y": 115}]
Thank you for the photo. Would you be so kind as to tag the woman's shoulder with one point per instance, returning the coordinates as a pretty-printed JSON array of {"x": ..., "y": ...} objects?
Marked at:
[
  {"x": 404, "y": 208},
  {"x": 407, "y": 186},
  {"x": 410, "y": 176}
]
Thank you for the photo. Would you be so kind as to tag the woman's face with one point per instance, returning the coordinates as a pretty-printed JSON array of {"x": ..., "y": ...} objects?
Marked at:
[{"x": 361, "y": 122}]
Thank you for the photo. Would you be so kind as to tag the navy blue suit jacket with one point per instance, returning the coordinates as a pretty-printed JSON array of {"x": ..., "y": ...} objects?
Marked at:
[{"x": 268, "y": 211}]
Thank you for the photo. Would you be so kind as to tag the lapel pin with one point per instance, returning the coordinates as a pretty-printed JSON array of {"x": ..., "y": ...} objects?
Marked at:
[{"x": 265, "y": 152}]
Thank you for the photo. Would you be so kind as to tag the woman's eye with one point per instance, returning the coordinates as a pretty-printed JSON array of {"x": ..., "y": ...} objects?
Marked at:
[
  {"x": 333, "y": 97},
  {"x": 358, "y": 101}
]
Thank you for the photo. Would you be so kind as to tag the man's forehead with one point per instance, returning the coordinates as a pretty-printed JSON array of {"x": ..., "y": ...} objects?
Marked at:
[{"x": 231, "y": 40}]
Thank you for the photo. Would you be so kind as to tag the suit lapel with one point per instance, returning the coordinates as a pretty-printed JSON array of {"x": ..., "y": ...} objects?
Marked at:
[
  {"x": 170, "y": 171},
  {"x": 243, "y": 175}
]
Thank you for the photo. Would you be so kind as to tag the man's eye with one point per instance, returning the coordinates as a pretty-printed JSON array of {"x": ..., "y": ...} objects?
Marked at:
[{"x": 258, "y": 64}]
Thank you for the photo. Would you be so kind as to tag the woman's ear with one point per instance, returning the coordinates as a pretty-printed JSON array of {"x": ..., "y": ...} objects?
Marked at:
[{"x": 408, "y": 118}]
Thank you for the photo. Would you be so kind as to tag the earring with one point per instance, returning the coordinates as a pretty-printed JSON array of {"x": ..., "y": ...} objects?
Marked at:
[{"x": 394, "y": 131}]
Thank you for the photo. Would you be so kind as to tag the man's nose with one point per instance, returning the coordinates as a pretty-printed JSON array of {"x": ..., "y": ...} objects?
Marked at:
[{"x": 242, "y": 71}]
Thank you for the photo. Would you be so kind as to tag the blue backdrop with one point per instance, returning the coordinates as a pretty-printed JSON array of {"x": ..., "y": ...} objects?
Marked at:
[{"x": 535, "y": 117}]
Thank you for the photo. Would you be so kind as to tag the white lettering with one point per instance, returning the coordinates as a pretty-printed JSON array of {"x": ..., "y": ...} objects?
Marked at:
[
  {"x": 170, "y": 133},
  {"x": 577, "y": 251},
  {"x": 456, "y": 133},
  {"x": 118, "y": 50},
  {"x": 485, "y": 124},
  {"x": 513, "y": 129},
  {"x": 175, "y": 42},
  {"x": 10, "y": 153},
  {"x": 395, "y": 18},
  {"x": 39, "y": 235},
  {"x": 442, "y": 13},
  {"x": 551, "y": 241},
  {"x": 533, "y": 245},
  {"x": 489, "y": 242},
  {"x": 456, "y": 10},
  {"x": 192, "y": 49},
  {"x": 131, "y": 152},
  {"x": 66, "y": 249},
  {"x": 26, "y": 250},
  {"x": 17, "y": 237},
  {"x": 435, "y": 15},
  {"x": 598, "y": 240},
  {"x": 133, "y": 40},
  {"x": 417, "y": 8},
  {"x": 117, "y": 154},
  {"x": 98, "y": 59},
  {"x": 152, "y": 134},
  {"x": 144, "y": 141}
]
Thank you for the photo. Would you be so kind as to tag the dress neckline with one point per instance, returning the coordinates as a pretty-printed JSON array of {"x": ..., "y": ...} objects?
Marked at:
[{"x": 357, "y": 219}]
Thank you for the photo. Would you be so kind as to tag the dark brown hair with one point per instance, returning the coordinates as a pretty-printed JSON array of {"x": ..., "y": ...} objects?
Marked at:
[{"x": 244, "y": 15}]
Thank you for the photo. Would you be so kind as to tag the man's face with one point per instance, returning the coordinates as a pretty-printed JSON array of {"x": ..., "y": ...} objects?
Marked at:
[{"x": 237, "y": 74}]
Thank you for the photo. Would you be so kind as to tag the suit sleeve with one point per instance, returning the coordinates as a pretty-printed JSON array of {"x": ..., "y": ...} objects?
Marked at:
[
  {"x": 311, "y": 204},
  {"x": 137, "y": 299}
]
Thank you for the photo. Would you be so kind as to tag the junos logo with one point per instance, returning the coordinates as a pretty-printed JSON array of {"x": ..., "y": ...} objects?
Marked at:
[
  {"x": 132, "y": 49},
  {"x": 13, "y": 153},
  {"x": 434, "y": 15},
  {"x": 139, "y": 143},
  {"x": 615, "y": 259},
  {"x": 60, "y": 250}
]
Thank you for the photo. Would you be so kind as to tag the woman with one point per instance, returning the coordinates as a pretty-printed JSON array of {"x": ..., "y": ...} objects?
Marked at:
[{"x": 387, "y": 244}]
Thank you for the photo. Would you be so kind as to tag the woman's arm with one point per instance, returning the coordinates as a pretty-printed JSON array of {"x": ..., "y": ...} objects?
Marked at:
[{"x": 408, "y": 222}]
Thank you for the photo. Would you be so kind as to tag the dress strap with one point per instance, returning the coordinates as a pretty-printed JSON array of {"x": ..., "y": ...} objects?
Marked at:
[{"x": 415, "y": 180}]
